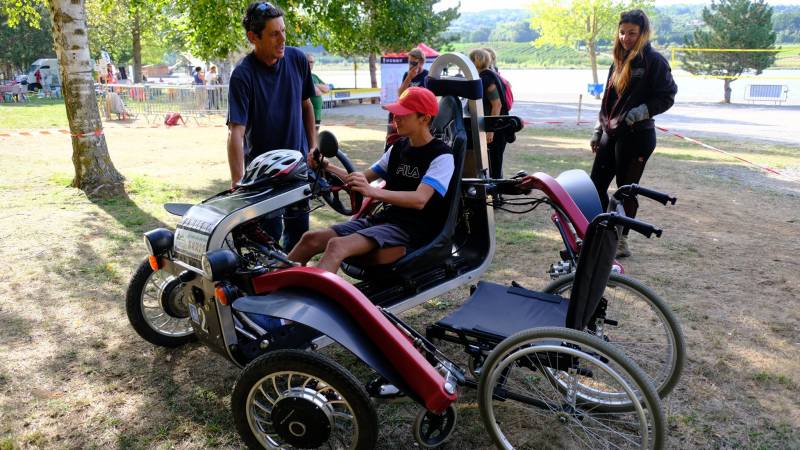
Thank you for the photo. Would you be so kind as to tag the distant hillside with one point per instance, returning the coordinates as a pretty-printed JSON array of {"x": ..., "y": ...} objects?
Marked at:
[{"x": 671, "y": 24}]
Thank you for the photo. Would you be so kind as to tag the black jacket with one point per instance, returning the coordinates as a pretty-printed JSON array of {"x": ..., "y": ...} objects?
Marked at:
[{"x": 651, "y": 83}]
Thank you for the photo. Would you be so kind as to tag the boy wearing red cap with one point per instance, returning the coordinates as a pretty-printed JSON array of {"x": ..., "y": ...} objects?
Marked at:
[{"x": 417, "y": 170}]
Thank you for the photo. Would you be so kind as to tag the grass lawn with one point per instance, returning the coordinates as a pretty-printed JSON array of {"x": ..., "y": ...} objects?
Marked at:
[
  {"x": 34, "y": 114},
  {"x": 73, "y": 374}
]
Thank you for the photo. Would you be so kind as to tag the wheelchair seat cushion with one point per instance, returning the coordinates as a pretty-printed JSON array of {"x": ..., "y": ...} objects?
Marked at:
[{"x": 500, "y": 311}]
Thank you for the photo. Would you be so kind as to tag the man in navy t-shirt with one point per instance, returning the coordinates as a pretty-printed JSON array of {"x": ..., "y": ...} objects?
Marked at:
[{"x": 269, "y": 105}]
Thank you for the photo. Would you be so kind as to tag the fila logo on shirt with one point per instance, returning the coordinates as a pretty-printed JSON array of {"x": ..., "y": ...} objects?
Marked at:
[{"x": 408, "y": 171}]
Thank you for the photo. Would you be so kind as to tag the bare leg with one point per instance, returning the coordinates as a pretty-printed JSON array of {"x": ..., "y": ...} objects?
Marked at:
[
  {"x": 340, "y": 248},
  {"x": 312, "y": 243}
]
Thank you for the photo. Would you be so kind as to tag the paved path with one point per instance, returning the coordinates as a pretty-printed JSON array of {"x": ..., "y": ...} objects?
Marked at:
[{"x": 780, "y": 124}]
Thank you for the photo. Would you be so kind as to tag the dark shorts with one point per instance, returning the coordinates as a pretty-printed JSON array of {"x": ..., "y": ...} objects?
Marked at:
[{"x": 385, "y": 234}]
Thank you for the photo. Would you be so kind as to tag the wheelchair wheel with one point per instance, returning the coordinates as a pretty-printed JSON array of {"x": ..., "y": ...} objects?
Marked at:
[
  {"x": 643, "y": 326},
  {"x": 300, "y": 399},
  {"x": 523, "y": 405}
]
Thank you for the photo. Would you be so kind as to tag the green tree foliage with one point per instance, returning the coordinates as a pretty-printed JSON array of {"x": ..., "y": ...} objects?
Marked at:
[
  {"x": 212, "y": 29},
  {"x": 124, "y": 28},
  {"x": 787, "y": 26},
  {"x": 582, "y": 22},
  {"x": 368, "y": 27},
  {"x": 736, "y": 24},
  {"x": 518, "y": 31},
  {"x": 25, "y": 43}
]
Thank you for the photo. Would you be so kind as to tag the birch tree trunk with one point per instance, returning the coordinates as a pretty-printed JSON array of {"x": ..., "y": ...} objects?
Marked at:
[{"x": 95, "y": 174}]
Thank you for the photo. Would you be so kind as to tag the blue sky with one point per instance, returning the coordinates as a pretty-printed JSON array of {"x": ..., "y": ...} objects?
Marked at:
[{"x": 481, "y": 5}]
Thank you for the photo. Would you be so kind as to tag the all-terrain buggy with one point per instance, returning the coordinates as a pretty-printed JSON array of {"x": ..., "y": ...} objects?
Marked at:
[{"x": 541, "y": 377}]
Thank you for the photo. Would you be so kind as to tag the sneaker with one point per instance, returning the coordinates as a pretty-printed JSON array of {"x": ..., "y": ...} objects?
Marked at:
[{"x": 622, "y": 247}]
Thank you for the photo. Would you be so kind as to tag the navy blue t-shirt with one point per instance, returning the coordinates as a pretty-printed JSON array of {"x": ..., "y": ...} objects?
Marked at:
[{"x": 267, "y": 100}]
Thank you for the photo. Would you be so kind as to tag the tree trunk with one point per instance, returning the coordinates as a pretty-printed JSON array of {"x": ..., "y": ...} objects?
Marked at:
[
  {"x": 728, "y": 90},
  {"x": 373, "y": 70},
  {"x": 592, "y": 46},
  {"x": 136, "y": 33},
  {"x": 95, "y": 174},
  {"x": 355, "y": 73}
]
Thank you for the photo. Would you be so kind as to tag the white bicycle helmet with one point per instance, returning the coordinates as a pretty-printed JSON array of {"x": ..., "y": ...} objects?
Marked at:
[{"x": 274, "y": 167}]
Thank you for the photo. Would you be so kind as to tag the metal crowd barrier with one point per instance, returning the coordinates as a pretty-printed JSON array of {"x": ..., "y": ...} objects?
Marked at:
[
  {"x": 153, "y": 102},
  {"x": 335, "y": 96}
]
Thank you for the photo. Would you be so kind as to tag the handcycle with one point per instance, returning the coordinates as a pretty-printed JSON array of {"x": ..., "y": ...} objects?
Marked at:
[{"x": 218, "y": 278}]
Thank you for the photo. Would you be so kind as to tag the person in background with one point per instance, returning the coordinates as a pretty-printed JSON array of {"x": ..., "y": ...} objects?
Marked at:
[
  {"x": 493, "y": 105},
  {"x": 213, "y": 93},
  {"x": 197, "y": 76},
  {"x": 416, "y": 75},
  {"x": 493, "y": 56},
  {"x": 110, "y": 79},
  {"x": 212, "y": 78},
  {"x": 639, "y": 86},
  {"x": 319, "y": 88},
  {"x": 269, "y": 107}
]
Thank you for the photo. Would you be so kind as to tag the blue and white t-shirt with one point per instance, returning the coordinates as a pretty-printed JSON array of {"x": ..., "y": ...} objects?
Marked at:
[{"x": 404, "y": 167}]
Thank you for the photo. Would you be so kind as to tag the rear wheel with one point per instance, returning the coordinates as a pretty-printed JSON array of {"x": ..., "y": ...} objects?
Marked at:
[
  {"x": 523, "y": 404},
  {"x": 157, "y": 309},
  {"x": 643, "y": 326},
  {"x": 300, "y": 399}
]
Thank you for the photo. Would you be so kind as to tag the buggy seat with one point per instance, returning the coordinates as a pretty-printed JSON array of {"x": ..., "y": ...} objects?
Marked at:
[{"x": 448, "y": 126}]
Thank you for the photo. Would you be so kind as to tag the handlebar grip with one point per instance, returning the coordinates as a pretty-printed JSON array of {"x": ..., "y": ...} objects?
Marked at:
[
  {"x": 638, "y": 226},
  {"x": 657, "y": 196}
]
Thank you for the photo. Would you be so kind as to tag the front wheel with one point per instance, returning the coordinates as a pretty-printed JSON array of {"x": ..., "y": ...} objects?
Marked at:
[
  {"x": 300, "y": 399},
  {"x": 523, "y": 402},
  {"x": 156, "y": 307},
  {"x": 640, "y": 323}
]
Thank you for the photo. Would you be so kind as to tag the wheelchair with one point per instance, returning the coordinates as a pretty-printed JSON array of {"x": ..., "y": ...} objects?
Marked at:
[{"x": 540, "y": 379}]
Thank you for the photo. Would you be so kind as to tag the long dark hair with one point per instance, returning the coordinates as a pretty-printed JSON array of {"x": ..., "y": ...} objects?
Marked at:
[{"x": 622, "y": 58}]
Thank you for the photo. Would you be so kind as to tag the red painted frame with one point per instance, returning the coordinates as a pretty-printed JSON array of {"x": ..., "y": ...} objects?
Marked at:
[{"x": 418, "y": 373}]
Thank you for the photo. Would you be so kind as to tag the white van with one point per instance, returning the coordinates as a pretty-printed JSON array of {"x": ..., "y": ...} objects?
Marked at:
[{"x": 46, "y": 67}]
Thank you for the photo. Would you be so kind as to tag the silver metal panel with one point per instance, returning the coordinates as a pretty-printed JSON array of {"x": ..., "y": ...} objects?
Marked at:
[{"x": 251, "y": 212}]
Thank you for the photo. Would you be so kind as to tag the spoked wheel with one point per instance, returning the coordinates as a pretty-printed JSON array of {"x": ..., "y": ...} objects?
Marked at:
[
  {"x": 642, "y": 325},
  {"x": 299, "y": 399},
  {"x": 523, "y": 405},
  {"x": 157, "y": 309}
]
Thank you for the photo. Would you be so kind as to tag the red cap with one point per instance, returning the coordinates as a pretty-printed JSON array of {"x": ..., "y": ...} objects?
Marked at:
[{"x": 414, "y": 99}]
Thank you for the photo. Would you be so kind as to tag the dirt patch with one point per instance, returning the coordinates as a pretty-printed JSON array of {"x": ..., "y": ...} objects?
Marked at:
[{"x": 75, "y": 375}]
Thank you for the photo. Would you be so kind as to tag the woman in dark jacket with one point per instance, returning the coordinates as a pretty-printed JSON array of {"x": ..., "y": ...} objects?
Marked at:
[{"x": 639, "y": 86}]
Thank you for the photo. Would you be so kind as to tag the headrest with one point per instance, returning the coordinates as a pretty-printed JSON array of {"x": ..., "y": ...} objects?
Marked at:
[{"x": 469, "y": 89}]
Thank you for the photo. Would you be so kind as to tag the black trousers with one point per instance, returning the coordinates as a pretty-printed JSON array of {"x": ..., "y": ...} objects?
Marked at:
[
  {"x": 624, "y": 157},
  {"x": 496, "y": 150}
]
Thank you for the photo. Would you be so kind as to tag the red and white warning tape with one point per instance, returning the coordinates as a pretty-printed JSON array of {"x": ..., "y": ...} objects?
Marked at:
[
  {"x": 49, "y": 131},
  {"x": 711, "y": 147},
  {"x": 528, "y": 122}
]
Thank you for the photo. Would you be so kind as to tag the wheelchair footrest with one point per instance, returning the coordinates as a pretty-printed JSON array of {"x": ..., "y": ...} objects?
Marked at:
[{"x": 495, "y": 312}]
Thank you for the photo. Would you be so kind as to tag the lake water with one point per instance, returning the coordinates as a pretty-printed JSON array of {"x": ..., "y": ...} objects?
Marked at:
[{"x": 565, "y": 85}]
